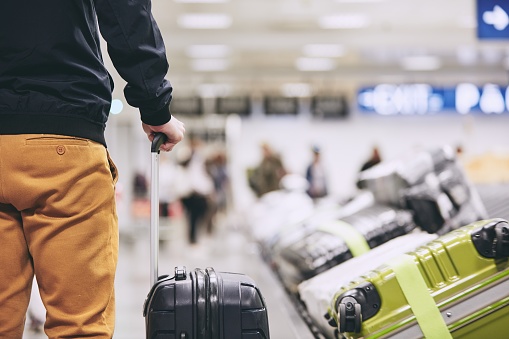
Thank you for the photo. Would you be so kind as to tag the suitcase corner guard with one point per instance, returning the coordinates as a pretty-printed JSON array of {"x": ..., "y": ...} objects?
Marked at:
[
  {"x": 492, "y": 239},
  {"x": 355, "y": 306}
]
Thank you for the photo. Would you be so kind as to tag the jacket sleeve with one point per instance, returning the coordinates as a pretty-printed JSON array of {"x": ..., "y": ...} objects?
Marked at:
[{"x": 137, "y": 50}]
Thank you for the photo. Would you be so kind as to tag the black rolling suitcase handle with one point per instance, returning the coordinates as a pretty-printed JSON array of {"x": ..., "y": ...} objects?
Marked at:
[{"x": 159, "y": 139}]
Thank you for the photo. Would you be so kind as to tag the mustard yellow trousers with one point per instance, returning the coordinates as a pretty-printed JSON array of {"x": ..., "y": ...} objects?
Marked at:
[{"x": 58, "y": 221}]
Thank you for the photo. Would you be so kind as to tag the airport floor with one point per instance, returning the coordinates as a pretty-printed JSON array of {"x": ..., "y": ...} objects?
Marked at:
[{"x": 227, "y": 249}]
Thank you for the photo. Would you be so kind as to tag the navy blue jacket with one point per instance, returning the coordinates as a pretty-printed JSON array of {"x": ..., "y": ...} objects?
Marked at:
[{"x": 52, "y": 76}]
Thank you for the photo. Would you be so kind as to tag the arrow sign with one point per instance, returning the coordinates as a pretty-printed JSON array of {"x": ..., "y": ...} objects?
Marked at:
[
  {"x": 498, "y": 18},
  {"x": 493, "y": 19}
]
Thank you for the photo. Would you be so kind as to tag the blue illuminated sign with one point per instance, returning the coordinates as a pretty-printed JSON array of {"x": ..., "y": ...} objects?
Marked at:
[
  {"x": 424, "y": 99},
  {"x": 493, "y": 19}
]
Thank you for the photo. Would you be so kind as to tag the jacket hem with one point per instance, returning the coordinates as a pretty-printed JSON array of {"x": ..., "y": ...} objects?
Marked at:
[{"x": 23, "y": 123}]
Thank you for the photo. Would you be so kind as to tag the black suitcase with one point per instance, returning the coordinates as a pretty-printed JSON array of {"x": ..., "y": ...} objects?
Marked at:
[
  {"x": 388, "y": 179},
  {"x": 445, "y": 201},
  {"x": 329, "y": 245},
  {"x": 201, "y": 304}
]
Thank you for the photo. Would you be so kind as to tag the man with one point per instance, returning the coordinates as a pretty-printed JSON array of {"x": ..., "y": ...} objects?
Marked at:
[
  {"x": 267, "y": 175},
  {"x": 316, "y": 176},
  {"x": 57, "y": 207}
]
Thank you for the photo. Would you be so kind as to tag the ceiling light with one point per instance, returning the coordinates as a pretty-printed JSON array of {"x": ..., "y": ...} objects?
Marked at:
[
  {"x": 467, "y": 55},
  {"x": 208, "y": 51},
  {"x": 204, "y": 21},
  {"x": 421, "y": 63},
  {"x": 491, "y": 56},
  {"x": 343, "y": 21},
  {"x": 209, "y": 65},
  {"x": 324, "y": 50},
  {"x": 214, "y": 90},
  {"x": 314, "y": 64}
]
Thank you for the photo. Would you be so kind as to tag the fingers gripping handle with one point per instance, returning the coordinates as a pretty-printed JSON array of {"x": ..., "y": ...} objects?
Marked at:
[{"x": 159, "y": 139}]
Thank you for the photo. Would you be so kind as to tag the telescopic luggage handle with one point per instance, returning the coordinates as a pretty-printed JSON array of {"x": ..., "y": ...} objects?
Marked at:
[{"x": 159, "y": 139}]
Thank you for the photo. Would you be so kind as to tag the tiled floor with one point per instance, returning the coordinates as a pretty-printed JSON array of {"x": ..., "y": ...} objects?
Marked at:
[{"x": 226, "y": 250}]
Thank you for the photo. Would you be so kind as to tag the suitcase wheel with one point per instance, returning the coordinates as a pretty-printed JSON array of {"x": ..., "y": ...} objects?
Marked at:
[{"x": 350, "y": 315}]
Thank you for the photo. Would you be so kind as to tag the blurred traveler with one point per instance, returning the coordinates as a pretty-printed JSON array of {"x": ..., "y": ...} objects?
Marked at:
[
  {"x": 167, "y": 194},
  {"x": 216, "y": 168},
  {"x": 267, "y": 175},
  {"x": 57, "y": 208},
  {"x": 459, "y": 150},
  {"x": 140, "y": 186},
  {"x": 316, "y": 176},
  {"x": 373, "y": 159},
  {"x": 194, "y": 186}
]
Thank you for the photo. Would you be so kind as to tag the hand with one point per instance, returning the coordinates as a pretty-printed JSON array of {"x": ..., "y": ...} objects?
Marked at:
[{"x": 173, "y": 129}]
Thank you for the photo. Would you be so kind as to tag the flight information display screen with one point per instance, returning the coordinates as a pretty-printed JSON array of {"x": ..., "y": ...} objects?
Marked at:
[
  {"x": 191, "y": 106},
  {"x": 329, "y": 107},
  {"x": 281, "y": 106},
  {"x": 233, "y": 105}
]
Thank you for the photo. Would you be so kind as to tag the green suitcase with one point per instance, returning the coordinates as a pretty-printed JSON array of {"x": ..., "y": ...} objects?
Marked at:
[{"x": 454, "y": 287}]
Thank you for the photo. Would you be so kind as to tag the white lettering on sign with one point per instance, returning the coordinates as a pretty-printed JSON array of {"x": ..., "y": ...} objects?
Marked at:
[
  {"x": 490, "y": 99},
  {"x": 420, "y": 99},
  {"x": 467, "y": 97},
  {"x": 387, "y": 99}
]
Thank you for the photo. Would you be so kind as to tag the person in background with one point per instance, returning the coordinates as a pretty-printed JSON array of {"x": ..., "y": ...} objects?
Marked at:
[
  {"x": 58, "y": 216},
  {"x": 316, "y": 176},
  {"x": 267, "y": 175},
  {"x": 217, "y": 169},
  {"x": 140, "y": 186},
  {"x": 373, "y": 159},
  {"x": 194, "y": 187},
  {"x": 167, "y": 194}
]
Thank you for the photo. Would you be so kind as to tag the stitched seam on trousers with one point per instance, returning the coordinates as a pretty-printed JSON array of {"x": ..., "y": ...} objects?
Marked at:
[
  {"x": 112, "y": 256},
  {"x": 55, "y": 141}
]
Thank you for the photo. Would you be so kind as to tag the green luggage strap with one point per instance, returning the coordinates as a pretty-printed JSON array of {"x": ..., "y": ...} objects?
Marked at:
[
  {"x": 419, "y": 298},
  {"x": 355, "y": 241}
]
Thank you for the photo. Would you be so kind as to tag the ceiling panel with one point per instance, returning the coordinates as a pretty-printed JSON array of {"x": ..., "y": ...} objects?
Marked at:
[{"x": 267, "y": 37}]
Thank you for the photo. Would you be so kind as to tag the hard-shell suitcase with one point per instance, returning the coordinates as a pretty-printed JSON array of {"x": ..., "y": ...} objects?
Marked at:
[
  {"x": 444, "y": 201},
  {"x": 316, "y": 293},
  {"x": 388, "y": 179},
  {"x": 276, "y": 209},
  {"x": 294, "y": 230},
  {"x": 205, "y": 304},
  {"x": 322, "y": 214},
  {"x": 454, "y": 287},
  {"x": 201, "y": 304},
  {"x": 431, "y": 184},
  {"x": 339, "y": 240}
]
